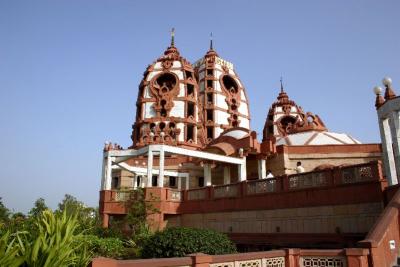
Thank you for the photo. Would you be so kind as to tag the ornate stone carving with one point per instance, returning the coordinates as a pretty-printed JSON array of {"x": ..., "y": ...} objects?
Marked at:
[
  {"x": 233, "y": 99},
  {"x": 164, "y": 87},
  {"x": 290, "y": 119}
]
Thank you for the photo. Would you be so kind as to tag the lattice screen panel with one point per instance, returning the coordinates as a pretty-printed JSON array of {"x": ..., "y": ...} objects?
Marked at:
[
  {"x": 223, "y": 264},
  {"x": 251, "y": 263},
  {"x": 274, "y": 262},
  {"x": 323, "y": 262}
]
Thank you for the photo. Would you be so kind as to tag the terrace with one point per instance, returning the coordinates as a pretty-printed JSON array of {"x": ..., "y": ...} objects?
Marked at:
[{"x": 354, "y": 184}]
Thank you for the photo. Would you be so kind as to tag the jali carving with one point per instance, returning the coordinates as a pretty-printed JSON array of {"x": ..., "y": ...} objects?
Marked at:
[{"x": 164, "y": 87}]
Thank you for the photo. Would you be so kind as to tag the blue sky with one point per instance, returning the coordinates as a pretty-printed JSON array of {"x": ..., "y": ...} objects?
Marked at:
[{"x": 69, "y": 72}]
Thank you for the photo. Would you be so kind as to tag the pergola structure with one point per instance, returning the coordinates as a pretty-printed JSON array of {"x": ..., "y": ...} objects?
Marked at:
[{"x": 115, "y": 159}]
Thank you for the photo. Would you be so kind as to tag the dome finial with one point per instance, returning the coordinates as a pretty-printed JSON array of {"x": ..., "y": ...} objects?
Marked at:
[
  {"x": 172, "y": 37},
  {"x": 281, "y": 84},
  {"x": 211, "y": 41},
  {"x": 389, "y": 93}
]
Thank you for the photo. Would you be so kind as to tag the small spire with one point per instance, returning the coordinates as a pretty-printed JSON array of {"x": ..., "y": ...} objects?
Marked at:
[
  {"x": 211, "y": 42},
  {"x": 173, "y": 37},
  {"x": 281, "y": 85},
  {"x": 379, "y": 101}
]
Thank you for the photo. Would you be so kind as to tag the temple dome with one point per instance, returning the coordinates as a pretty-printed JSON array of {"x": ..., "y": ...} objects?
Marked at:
[
  {"x": 288, "y": 124},
  {"x": 222, "y": 96},
  {"x": 316, "y": 138},
  {"x": 233, "y": 140},
  {"x": 286, "y": 117},
  {"x": 167, "y": 110}
]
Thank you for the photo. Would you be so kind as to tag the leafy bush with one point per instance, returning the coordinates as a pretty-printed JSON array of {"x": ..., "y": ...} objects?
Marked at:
[
  {"x": 106, "y": 247},
  {"x": 180, "y": 241}
]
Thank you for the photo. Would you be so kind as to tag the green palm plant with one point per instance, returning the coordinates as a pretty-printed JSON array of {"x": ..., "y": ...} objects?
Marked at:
[
  {"x": 10, "y": 253},
  {"x": 55, "y": 243}
]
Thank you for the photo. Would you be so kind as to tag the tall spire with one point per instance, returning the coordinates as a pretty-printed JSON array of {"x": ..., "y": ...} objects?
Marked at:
[
  {"x": 211, "y": 42},
  {"x": 282, "y": 97},
  {"x": 173, "y": 37}
]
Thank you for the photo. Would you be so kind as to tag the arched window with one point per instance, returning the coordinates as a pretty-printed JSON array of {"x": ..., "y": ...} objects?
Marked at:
[{"x": 230, "y": 84}]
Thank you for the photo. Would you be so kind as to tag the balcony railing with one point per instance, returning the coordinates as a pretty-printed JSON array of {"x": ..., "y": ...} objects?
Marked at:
[
  {"x": 360, "y": 173},
  {"x": 336, "y": 176},
  {"x": 174, "y": 195},
  {"x": 223, "y": 191},
  {"x": 122, "y": 195},
  {"x": 261, "y": 186},
  {"x": 197, "y": 194},
  {"x": 357, "y": 174},
  {"x": 308, "y": 180},
  {"x": 350, "y": 257}
]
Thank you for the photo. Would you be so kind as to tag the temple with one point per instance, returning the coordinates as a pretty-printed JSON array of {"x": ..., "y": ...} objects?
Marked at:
[{"x": 301, "y": 185}]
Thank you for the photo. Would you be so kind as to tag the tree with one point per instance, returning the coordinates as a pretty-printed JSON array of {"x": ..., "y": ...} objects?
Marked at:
[
  {"x": 4, "y": 213},
  {"x": 70, "y": 204},
  {"x": 38, "y": 208},
  {"x": 87, "y": 216}
]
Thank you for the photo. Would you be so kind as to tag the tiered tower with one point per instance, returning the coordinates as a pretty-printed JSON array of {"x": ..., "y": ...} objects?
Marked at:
[
  {"x": 167, "y": 110},
  {"x": 222, "y": 95},
  {"x": 286, "y": 117}
]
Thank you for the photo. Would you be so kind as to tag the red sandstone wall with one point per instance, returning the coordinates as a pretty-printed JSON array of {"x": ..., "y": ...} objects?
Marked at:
[
  {"x": 289, "y": 258},
  {"x": 385, "y": 231}
]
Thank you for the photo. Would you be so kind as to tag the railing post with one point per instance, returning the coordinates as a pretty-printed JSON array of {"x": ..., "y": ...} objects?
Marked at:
[
  {"x": 292, "y": 257},
  {"x": 285, "y": 183},
  {"x": 210, "y": 192},
  {"x": 201, "y": 260},
  {"x": 279, "y": 184},
  {"x": 330, "y": 177},
  {"x": 337, "y": 177},
  {"x": 376, "y": 167},
  {"x": 242, "y": 189},
  {"x": 356, "y": 257}
]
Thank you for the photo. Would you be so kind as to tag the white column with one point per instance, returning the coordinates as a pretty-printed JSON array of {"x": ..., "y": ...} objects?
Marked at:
[
  {"x": 207, "y": 174},
  {"x": 142, "y": 181},
  {"x": 179, "y": 182},
  {"x": 149, "y": 167},
  {"x": 103, "y": 174},
  {"x": 386, "y": 136},
  {"x": 242, "y": 171},
  {"x": 395, "y": 135},
  {"x": 187, "y": 182},
  {"x": 161, "y": 172},
  {"x": 262, "y": 172},
  {"x": 134, "y": 181},
  {"x": 227, "y": 175},
  {"x": 108, "y": 174}
]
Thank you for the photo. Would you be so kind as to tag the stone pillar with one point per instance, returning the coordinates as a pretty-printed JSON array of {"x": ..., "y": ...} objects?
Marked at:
[
  {"x": 179, "y": 182},
  {"x": 142, "y": 181},
  {"x": 103, "y": 174},
  {"x": 161, "y": 173},
  {"x": 227, "y": 174},
  {"x": 105, "y": 220},
  {"x": 262, "y": 172},
  {"x": 134, "y": 181},
  {"x": 207, "y": 173},
  {"x": 386, "y": 136},
  {"x": 395, "y": 135},
  {"x": 242, "y": 170},
  {"x": 187, "y": 183},
  {"x": 149, "y": 167}
]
